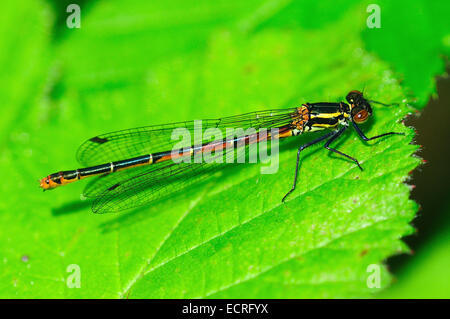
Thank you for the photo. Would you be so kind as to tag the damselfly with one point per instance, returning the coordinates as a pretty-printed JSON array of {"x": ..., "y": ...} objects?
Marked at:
[{"x": 137, "y": 166}]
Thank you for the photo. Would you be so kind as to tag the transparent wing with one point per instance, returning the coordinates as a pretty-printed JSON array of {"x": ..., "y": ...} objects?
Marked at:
[
  {"x": 134, "y": 142},
  {"x": 145, "y": 184},
  {"x": 141, "y": 185},
  {"x": 97, "y": 186}
]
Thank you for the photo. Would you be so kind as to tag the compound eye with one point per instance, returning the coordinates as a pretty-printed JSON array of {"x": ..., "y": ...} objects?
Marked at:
[{"x": 361, "y": 116}]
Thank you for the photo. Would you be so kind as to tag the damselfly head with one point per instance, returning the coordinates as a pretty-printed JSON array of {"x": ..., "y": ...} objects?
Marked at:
[{"x": 360, "y": 107}]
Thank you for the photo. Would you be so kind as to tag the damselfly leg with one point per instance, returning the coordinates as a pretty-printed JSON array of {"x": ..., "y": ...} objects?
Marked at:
[
  {"x": 365, "y": 138},
  {"x": 301, "y": 148},
  {"x": 335, "y": 136}
]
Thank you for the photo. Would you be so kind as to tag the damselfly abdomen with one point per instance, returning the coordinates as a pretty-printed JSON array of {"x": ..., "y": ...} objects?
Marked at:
[{"x": 140, "y": 165}]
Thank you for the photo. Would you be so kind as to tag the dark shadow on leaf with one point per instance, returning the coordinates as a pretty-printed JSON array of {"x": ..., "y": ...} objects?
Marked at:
[{"x": 72, "y": 207}]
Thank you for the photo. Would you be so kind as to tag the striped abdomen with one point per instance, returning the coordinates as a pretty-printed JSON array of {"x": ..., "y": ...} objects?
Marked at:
[{"x": 66, "y": 177}]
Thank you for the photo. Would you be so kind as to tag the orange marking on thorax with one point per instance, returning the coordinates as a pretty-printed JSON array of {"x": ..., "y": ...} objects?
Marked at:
[{"x": 302, "y": 117}]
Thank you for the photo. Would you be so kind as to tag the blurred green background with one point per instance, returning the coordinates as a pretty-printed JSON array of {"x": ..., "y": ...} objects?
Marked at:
[{"x": 135, "y": 63}]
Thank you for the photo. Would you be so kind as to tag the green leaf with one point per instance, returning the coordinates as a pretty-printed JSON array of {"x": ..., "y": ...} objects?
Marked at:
[
  {"x": 138, "y": 63},
  {"x": 24, "y": 61}
]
